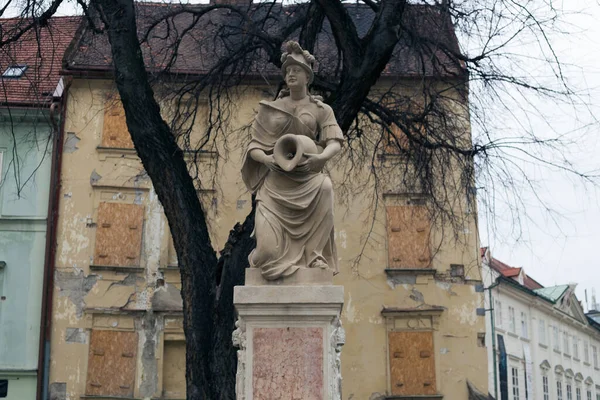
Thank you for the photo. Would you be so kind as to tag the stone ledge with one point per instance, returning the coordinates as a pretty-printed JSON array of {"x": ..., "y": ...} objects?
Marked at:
[
  {"x": 409, "y": 271},
  {"x": 116, "y": 268},
  {"x": 288, "y": 295},
  {"x": 435, "y": 311}
]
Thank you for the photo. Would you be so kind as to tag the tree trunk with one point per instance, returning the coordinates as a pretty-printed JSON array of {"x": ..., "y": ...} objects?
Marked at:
[{"x": 232, "y": 267}]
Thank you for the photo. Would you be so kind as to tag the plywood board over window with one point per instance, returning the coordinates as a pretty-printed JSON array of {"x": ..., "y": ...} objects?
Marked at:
[
  {"x": 408, "y": 229},
  {"x": 119, "y": 234},
  {"x": 174, "y": 370},
  {"x": 412, "y": 365},
  {"x": 114, "y": 131},
  {"x": 112, "y": 363}
]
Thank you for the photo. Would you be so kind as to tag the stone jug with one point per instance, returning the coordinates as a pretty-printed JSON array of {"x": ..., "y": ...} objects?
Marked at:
[{"x": 290, "y": 149}]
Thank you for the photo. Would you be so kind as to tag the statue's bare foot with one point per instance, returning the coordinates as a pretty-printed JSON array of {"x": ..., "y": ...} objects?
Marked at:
[{"x": 318, "y": 263}]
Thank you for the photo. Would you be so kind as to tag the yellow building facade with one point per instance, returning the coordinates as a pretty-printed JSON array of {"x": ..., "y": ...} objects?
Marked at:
[{"x": 413, "y": 309}]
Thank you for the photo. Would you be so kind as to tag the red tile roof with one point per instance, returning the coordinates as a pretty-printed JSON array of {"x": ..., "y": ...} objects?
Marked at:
[
  {"x": 512, "y": 272},
  {"x": 42, "y": 50}
]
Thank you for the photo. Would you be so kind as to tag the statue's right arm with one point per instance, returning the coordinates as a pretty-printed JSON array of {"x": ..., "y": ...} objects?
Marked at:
[{"x": 258, "y": 155}]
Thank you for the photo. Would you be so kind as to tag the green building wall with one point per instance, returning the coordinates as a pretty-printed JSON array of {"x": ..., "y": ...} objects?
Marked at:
[{"x": 25, "y": 148}]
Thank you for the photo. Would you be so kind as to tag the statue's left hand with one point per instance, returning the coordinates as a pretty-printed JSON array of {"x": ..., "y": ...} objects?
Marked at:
[{"x": 314, "y": 162}]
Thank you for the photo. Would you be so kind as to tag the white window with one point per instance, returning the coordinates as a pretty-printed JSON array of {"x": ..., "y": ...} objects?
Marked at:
[
  {"x": 566, "y": 342},
  {"x": 555, "y": 338},
  {"x": 542, "y": 331},
  {"x": 595, "y": 356},
  {"x": 515, "y": 383},
  {"x": 498, "y": 314},
  {"x": 559, "y": 390},
  {"x": 575, "y": 347},
  {"x": 524, "y": 330},
  {"x": 586, "y": 351},
  {"x": 597, "y": 396},
  {"x": 511, "y": 320},
  {"x": 545, "y": 387},
  {"x": 14, "y": 71},
  {"x": 569, "y": 392},
  {"x": 589, "y": 395},
  {"x": 578, "y": 393}
]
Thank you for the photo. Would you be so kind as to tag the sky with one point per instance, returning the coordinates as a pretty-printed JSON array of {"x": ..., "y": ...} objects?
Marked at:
[
  {"x": 558, "y": 247},
  {"x": 558, "y": 235}
]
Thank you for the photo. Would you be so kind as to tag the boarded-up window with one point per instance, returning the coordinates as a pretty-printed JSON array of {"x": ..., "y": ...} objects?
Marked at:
[
  {"x": 111, "y": 363},
  {"x": 412, "y": 366},
  {"x": 119, "y": 234},
  {"x": 395, "y": 141},
  {"x": 115, "y": 132},
  {"x": 174, "y": 370},
  {"x": 408, "y": 236}
]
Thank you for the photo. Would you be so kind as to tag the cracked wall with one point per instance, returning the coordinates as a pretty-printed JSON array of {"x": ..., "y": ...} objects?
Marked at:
[{"x": 101, "y": 284}]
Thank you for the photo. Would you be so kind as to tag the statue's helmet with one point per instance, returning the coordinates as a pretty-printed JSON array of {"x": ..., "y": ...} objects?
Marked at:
[{"x": 295, "y": 55}]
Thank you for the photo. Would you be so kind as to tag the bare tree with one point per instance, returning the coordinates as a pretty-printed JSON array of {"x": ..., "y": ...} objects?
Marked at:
[{"x": 418, "y": 139}]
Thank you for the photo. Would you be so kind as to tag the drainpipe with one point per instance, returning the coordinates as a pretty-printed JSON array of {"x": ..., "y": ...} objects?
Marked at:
[
  {"x": 493, "y": 325},
  {"x": 50, "y": 251}
]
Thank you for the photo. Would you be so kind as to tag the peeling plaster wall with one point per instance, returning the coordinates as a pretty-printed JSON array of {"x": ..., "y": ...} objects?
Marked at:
[
  {"x": 140, "y": 299},
  {"x": 87, "y": 299}
]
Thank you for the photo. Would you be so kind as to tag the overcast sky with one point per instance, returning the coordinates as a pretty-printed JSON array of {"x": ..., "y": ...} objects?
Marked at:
[
  {"x": 557, "y": 247},
  {"x": 563, "y": 250}
]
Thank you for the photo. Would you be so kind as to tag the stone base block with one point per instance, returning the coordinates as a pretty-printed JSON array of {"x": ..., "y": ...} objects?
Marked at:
[
  {"x": 289, "y": 340},
  {"x": 302, "y": 277}
]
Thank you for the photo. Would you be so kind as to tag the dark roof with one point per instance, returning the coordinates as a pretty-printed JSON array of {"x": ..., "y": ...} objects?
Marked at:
[
  {"x": 593, "y": 318},
  {"x": 41, "y": 51},
  {"x": 199, "y": 52}
]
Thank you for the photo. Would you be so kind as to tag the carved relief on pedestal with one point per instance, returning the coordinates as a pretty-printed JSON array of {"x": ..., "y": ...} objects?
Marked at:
[{"x": 238, "y": 338}]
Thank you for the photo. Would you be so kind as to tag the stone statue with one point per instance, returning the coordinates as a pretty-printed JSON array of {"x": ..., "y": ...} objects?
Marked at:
[{"x": 292, "y": 139}]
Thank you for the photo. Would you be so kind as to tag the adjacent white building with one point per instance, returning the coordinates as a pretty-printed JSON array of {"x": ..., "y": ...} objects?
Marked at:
[{"x": 549, "y": 344}]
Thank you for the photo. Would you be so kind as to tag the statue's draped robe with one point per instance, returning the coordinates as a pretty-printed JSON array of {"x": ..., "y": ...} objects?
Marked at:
[{"x": 294, "y": 209}]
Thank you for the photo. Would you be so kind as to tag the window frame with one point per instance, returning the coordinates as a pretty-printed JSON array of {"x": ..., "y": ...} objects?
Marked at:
[
  {"x": 559, "y": 391},
  {"x": 524, "y": 325},
  {"x": 569, "y": 390},
  {"x": 555, "y": 338},
  {"x": 498, "y": 314},
  {"x": 586, "y": 351},
  {"x": 542, "y": 331},
  {"x": 515, "y": 383},
  {"x": 512, "y": 323}
]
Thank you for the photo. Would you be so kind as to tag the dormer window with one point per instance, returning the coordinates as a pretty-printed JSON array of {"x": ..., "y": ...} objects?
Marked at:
[{"x": 14, "y": 71}]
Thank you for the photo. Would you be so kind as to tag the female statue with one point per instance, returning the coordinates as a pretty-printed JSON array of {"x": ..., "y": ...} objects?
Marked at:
[{"x": 294, "y": 213}]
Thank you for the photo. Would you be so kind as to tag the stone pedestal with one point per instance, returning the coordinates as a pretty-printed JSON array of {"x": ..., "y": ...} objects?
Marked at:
[{"x": 289, "y": 337}]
